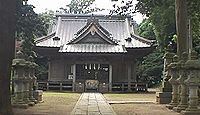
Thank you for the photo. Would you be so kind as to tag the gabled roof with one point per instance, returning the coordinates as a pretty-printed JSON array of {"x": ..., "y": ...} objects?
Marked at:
[
  {"x": 74, "y": 32},
  {"x": 91, "y": 28}
]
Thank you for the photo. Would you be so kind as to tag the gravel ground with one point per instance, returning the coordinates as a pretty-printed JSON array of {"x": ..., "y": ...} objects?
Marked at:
[{"x": 55, "y": 103}]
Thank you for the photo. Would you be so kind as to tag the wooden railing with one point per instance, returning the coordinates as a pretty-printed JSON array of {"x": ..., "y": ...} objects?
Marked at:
[
  {"x": 55, "y": 85},
  {"x": 125, "y": 87},
  {"x": 116, "y": 87}
]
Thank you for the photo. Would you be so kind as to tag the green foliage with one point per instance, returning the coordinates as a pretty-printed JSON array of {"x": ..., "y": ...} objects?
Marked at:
[
  {"x": 80, "y": 7},
  {"x": 29, "y": 27},
  {"x": 146, "y": 29},
  {"x": 194, "y": 13},
  {"x": 47, "y": 18},
  {"x": 150, "y": 68},
  {"x": 162, "y": 15},
  {"x": 126, "y": 8}
]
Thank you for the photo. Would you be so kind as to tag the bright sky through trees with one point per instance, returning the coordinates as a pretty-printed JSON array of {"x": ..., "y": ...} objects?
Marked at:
[{"x": 54, "y": 5}]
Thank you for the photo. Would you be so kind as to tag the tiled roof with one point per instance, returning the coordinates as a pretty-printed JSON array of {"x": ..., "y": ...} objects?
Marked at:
[
  {"x": 94, "y": 27},
  {"x": 96, "y": 48},
  {"x": 66, "y": 28}
]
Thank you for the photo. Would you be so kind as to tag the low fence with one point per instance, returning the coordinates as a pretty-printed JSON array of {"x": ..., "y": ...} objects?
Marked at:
[
  {"x": 116, "y": 87},
  {"x": 129, "y": 87}
]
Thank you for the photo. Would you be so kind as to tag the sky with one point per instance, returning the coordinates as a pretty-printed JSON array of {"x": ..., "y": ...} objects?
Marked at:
[{"x": 42, "y": 5}]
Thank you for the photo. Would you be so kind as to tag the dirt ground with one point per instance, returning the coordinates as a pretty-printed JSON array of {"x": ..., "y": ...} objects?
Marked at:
[
  {"x": 130, "y": 96},
  {"x": 138, "y": 109},
  {"x": 142, "y": 109},
  {"x": 54, "y": 104}
]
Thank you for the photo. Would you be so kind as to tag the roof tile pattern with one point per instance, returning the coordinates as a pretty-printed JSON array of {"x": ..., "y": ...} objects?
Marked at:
[
  {"x": 89, "y": 48},
  {"x": 70, "y": 25}
]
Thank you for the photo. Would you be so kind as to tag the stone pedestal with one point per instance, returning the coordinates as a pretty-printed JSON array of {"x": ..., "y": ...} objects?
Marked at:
[{"x": 163, "y": 97}]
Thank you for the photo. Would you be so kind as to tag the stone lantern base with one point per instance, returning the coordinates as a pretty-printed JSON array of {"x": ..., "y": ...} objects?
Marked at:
[
  {"x": 163, "y": 97},
  {"x": 20, "y": 105}
]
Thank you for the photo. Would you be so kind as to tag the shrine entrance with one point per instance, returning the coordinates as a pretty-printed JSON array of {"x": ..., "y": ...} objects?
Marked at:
[{"x": 92, "y": 75}]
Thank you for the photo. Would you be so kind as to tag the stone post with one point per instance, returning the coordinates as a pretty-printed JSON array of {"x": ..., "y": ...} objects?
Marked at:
[
  {"x": 193, "y": 66},
  {"x": 183, "y": 87},
  {"x": 164, "y": 97},
  {"x": 173, "y": 68}
]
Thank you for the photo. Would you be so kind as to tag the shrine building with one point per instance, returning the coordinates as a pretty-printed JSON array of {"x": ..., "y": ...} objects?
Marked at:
[{"x": 92, "y": 53}]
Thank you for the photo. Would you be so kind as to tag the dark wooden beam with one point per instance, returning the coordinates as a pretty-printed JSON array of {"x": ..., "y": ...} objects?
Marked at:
[{"x": 7, "y": 46}]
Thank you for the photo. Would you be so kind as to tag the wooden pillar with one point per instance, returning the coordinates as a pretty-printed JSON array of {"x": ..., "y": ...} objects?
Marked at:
[
  {"x": 110, "y": 77},
  {"x": 134, "y": 70},
  {"x": 47, "y": 86},
  {"x": 49, "y": 70},
  {"x": 60, "y": 86},
  {"x": 129, "y": 76},
  {"x": 7, "y": 48},
  {"x": 74, "y": 77}
]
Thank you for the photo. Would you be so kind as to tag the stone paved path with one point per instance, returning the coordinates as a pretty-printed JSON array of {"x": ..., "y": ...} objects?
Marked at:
[{"x": 92, "y": 104}]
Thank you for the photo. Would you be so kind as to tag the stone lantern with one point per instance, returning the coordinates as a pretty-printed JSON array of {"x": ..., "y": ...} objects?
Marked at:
[
  {"x": 173, "y": 69},
  {"x": 193, "y": 80},
  {"x": 164, "y": 97},
  {"x": 18, "y": 79},
  {"x": 183, "y": 87},
  {"x": 168, "y": 58},
  {"x": 32, "y": 82}
]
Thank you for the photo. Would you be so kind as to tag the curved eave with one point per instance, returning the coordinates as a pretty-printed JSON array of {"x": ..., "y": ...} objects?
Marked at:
[
  {"x": 43, "y": 38},
  {"x": 141, "y": 39}
]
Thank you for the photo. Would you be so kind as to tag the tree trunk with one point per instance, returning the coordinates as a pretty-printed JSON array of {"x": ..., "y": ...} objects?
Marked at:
[
  {"x": 181, "y": 27},
  {"x": 7, "y": 46}
]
